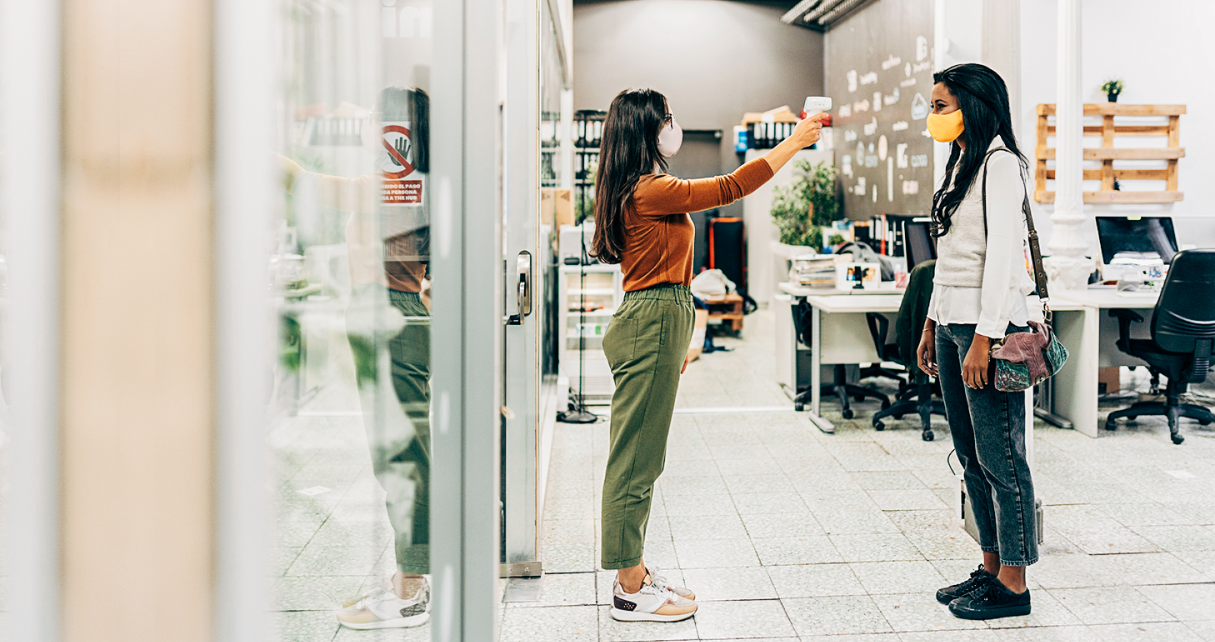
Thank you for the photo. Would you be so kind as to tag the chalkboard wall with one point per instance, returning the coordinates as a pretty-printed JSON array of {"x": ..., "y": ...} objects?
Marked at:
[{"x": 879, "y": 77}]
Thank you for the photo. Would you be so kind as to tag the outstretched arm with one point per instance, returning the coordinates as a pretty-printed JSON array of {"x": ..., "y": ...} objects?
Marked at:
[
  {"x": 665, "y": 195},
  {"x": 360, "y": 194}
]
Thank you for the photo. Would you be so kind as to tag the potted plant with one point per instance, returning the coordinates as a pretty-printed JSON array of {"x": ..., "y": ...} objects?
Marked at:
[
  {"x": 809, "y": 202},
  {"x": 1112, "y": 88}
]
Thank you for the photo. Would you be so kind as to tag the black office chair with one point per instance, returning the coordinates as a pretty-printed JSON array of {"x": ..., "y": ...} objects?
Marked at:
[
  {"x": 1183, "y": 328},
  {"x": 839, "y": 387},
  {"x": 919, "y": 247},
  {"x": 916, "y": 392}
]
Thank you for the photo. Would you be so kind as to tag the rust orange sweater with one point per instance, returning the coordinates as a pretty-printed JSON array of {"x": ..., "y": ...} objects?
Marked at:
[{"x": 659, "y": 232}]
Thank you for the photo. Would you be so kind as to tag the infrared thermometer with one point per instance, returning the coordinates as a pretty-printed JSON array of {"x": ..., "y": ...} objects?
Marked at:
[{"x": 816, "y": 104}]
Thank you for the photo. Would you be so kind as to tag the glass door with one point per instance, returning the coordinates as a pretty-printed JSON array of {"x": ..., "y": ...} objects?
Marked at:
[
  {"x": 536, "y": 164},
  {"x": 382, "y": 421}
]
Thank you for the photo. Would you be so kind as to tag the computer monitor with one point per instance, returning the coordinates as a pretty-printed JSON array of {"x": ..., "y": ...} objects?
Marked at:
[
  {"x": 1139, "y": 234},
  {"x": 919, "y": 244}
]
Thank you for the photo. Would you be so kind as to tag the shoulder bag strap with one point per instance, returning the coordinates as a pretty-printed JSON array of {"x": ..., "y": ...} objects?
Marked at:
[{"x": 1035, "y": 251}]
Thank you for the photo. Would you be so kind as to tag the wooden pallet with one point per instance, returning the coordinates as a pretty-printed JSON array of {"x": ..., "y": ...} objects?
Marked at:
[
  {"x": 728, "y": 310},
  {"x": 1107, "y": 154}
]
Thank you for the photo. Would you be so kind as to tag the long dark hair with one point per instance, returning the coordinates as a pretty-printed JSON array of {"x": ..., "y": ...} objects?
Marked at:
[
  {"x": 629, "y": 150},
  {"x": 983, "y": 99},
  {"x": 413, "y": 105}
]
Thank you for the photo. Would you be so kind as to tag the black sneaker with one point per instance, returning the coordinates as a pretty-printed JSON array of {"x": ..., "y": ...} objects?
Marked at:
[
  {"x": 990, "y": 602},
  {"x": 977, "y": 580}
]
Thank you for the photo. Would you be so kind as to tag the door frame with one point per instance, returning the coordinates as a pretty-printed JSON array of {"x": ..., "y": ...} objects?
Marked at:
[
  {"x": 466, "y": 256},
  {"x": 30, "y": 46}
]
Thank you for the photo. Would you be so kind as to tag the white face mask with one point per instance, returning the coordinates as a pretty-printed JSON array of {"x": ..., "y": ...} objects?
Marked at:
[{"x": 670, "y": 139}]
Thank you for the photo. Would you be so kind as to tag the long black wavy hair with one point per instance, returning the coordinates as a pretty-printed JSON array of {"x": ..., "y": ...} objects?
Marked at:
[
  {"x": 983, "y": 99},
  {"x": 628, "y": 151}
]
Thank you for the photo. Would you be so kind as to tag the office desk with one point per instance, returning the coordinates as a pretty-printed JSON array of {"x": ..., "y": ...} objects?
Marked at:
[
  {"x": 839, "y": 334},
  {"x": 1090, "y": 337}
]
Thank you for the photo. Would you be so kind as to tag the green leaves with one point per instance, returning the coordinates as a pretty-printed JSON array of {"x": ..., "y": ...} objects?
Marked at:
[{"x": 809, "y": 202}]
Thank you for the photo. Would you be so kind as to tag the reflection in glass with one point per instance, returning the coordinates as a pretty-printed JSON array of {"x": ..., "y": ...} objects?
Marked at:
[{"x": 351, "y": 279}]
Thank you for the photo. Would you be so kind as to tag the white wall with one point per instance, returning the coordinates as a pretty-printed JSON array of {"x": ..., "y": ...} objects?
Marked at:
[{"x": 1161, "y": 50}]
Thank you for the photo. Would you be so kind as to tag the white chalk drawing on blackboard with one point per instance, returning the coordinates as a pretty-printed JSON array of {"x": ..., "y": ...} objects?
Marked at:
[
  {"x": 891, "y": 61},
  {"x": 847, "y": 169},
  {"x": 869, "y": 78},
  {"x": 860, "y": 186},
  {"x": 926, "y": 134},
  {"x": 921, "y": 48},
  {"x": 910, "y": 82},
  {"x": 849, "y": 135},
  {"x": 861, "y": 106},
  {"x": 889, "y": 179},
  {"x": 921, "y": 66},
  {"x": 900, "y": 155},
  {"x": 844, "y": 111},
  {"x": 875, "y": 189},
  {"x": 911, "y": 187},
  {"x": 877, "y": 101},
  {"x": 883, "y": 147},
  {"x": 860, "y": 154},
  {"x": 891, "y": 99},
  {"x": 899, "y": 126},
  {"x": 871, "y": 127},
  {"x": 919, "y": 160},
  {"x": 870, "y": 148},
  {"x": 852, "y": 80},
  {"x": 907, "y": 69},
  {"x": 919, "y": 107}
]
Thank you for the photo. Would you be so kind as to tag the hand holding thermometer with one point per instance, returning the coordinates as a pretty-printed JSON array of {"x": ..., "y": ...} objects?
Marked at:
[{"x": 816, "y": 105}]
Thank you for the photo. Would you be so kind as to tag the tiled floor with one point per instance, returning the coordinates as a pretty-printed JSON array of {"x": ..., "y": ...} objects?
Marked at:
[{"x": 787, "y": 534}]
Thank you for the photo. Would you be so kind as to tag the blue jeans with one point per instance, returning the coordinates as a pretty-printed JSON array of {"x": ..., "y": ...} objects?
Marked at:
[{"x": 988, "y": 428}]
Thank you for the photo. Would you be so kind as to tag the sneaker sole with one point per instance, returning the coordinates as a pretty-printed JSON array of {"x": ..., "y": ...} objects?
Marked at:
[
  {"x": 395, "y": 623},
  {"x": 633, "y": 616},
  {"x": 991, "y": 614}
]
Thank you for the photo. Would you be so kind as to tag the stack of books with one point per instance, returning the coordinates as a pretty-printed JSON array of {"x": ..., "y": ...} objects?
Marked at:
[{"x": 813, "y": 271}]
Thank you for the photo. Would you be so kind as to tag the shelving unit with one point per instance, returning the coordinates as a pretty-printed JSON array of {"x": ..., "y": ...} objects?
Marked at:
[
  {"x": 1108, "y": 154},
  {"x": 582, "y": 334},
  {"x": 588, "y": 129}
]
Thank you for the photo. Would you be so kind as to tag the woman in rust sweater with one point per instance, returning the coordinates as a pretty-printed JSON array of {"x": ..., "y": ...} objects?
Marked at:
[{"x": 642, "y": 223}]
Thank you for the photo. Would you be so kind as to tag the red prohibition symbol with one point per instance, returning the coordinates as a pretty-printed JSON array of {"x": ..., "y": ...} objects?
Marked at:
[{"x": 406, "y": 166}]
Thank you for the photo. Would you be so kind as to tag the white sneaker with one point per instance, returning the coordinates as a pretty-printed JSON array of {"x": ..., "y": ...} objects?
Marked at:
[
  {"x": 650, "y": 604},
  {"x": 384, "y": 610},
  {"x": 385, "y": 585},
  {"x": 662, "y": 582}
]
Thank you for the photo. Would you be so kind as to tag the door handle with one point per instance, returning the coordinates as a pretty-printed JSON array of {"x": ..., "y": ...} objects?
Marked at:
[{"x": 523, "y": 288}]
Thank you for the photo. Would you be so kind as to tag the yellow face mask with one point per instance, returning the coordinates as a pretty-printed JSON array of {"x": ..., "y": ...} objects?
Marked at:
[{"x": 945, "y": 128}]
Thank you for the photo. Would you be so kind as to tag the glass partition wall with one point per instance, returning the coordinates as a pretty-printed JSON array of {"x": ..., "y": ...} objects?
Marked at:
[{"x": 367, "y": 271}]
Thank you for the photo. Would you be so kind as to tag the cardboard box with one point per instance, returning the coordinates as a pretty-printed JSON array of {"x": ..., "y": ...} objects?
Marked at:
[
  {"x": 556, "y": 206},
  {"x": 548, "y": 210},
  {"x": 563, "y": 206},
  {"x": 1109, "y": 380}
]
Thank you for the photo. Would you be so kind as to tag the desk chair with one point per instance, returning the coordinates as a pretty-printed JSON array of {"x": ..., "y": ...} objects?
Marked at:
[
  {"x": 916, "y": 393},
  {"x": 839, "y": 387},
  {"x": 919, "y": 247},
  {"x": 1183, "y": 329}
]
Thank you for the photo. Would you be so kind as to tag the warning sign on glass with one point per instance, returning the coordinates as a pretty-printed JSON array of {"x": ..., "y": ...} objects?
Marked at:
[{"x": 397, "y": 163}]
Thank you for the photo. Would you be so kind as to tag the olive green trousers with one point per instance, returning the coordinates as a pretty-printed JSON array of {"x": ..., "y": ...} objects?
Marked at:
[{"x": 645, "y": 345}]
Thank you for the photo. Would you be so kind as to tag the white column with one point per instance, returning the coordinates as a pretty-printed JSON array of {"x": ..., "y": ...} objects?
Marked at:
[{"x": 1067, "y": 267}]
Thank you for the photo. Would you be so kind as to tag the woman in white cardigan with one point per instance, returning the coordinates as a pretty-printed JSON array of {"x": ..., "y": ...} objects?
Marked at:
[{"x": 979, "y": 297}]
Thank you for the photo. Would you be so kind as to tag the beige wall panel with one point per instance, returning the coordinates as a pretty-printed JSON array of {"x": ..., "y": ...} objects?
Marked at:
[{"x": 137, "y": 393}]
